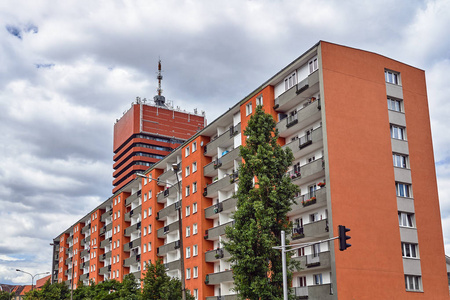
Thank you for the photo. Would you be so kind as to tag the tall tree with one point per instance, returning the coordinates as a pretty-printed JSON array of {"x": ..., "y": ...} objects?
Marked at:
[{"x": 264, "y": 197}]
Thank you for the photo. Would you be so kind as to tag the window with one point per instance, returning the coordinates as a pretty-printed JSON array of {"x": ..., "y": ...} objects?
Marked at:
[
  {"x": 194, "y": 228},
  {"x": 145, "y": 197},
  {"x": 399, "y": 160},
  {"x": 403, "y": 189},
  {"x": 145, "y": 248},
  {"x": 409, "y": 250},
  {"x": 194, "y": 146},
  {"x": 195, "y": 272},
  {"x": 392, "y": 77},
  {"x": 314, "y": 217},
  {"x": 150, "y": 246},
  {"x": 315, "y": 250},
  {"x": 186, "y": 172},
  {"x": 188, "y": 273},
  {"x": 145, "y": 180},
  {"x": 118, "y": 243},
  {"x": 406, "y": 219},
  {"x": 188, "y": 231},
  {"x": 398, "y": 132},
  {"x": 149, "y": 229},
  {"x": 145, "y": 231},
  {"x": 195, "y": 250},
  {"x": 118, "y": 228},
  {"x": 313, "y": 65},
  {"x": 394, "y": 104},
  {"x": 194, "y": 167},
  {"x": 187, "y": 151},
  {"x": 194, "y": 187},
  {"x": 194, "y": 207},
  {"x": 259, "y": 100},
  {"x": 188, "y": 252},
  {"x": 196, "y": 294},
  {"x": 188, "y": 190},
  {"x": 290, "y": 81},
  {"x": 118, "y": 215},
  {"x": 145, "y": 214},
  {"x": 317, "y": 279},
  {"x": 302, "y": 281},
  {"x": 150, "y": 195},
  {"x": 188, "y": 210},
  {"x": 412, "y": 283},
  {"x": 248, "y": 109},
  {"x": 149, "y": 211}
]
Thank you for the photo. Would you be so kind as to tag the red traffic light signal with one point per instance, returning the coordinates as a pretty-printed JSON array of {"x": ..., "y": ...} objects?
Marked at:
[{"x": 343, "y": 237}]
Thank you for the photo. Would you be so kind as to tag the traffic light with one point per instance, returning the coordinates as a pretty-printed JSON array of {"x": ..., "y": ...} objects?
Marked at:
[{"x": 343, "y": 237}]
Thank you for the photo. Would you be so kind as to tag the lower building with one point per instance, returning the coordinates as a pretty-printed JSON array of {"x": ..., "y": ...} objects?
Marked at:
[{"x": 359, "y": 129}]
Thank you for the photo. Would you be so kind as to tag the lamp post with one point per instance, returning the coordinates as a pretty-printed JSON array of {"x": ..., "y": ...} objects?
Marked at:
[
  {"x": 32, "y": 276},
  {"x": 175, "y": 168},
  {"x": 71, "y": 281}
]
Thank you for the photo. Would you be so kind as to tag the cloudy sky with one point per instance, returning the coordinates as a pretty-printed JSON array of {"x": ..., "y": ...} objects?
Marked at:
[{"x": 69, "y": 69}]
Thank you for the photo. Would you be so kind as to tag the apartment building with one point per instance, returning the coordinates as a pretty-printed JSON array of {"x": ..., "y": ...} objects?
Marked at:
[{"x": 358, "y": 126}]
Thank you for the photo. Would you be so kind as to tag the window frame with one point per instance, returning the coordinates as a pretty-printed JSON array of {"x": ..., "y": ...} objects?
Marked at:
[
  {"x": 392, "y": 77},
  {"x": 400, "y": 160},
  {"x": 403, "y": 190},
  {"x": 398, "y": 132},
  {"x": 248, "y": 109},
  {"x": 395, "y": 104}
]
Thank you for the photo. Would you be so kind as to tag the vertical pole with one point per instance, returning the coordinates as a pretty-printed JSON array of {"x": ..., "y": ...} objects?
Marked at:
[{"x": 283, "y": 262}]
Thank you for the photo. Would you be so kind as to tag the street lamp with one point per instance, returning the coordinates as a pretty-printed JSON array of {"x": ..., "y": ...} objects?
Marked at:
[
  {"x": 71, "y": 281},
  {"x": 32, "y": 276},
  {"x": 176, "y": 168}
]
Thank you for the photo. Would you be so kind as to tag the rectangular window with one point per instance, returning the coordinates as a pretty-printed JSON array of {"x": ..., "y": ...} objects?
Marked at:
[
  {"x": 392, "y": 77},
  {"x": 145, "y": 197},
  {"x": 149, "y": 229},
  {"x": 150, "y": 246},
  {"x": 187, "y": 151},
  {"x": 259, "y": 100},
  {"x": 194, "y": 146},
  {"x": 413, "y": 283},
  {"x": 302, "y": 281},
  {"x": 194, "y": 207},
  {"x": 403, "y": 189},
  {"x": 188, "y": 252},
  {"x": 317, "y": 279},
  {"x": 398, "y": 132},
  {"x": 150, "y": 194},
  {"x": 188, "y": 210},
  {"x": 194, "y": 167},
  {"x": 394, "y": 104},
  {"x": 196, "y": 294},
  {"x": 188, "y": 231},
  {"x": 149, "y": 211},
  {"x": 188, "y": 273},
  {"x": 194, "y": 228},
  {"x": 313, "y": 65},
  {"x": 195, "y": 250},
  {"x": 195, "y": 272},
  {"x": 400, "y": 161},
  {"x": 248, "y": 109},
  {"x": 290, "y": 81},
  {"x": 186, "y": 172},
  {"x": 188, "y": 190},
  {"x": 145, "y": 231},
  {"x": 409, "y": 250},
  {"x": 406, "y": 219},
  {"x": 194, "y": 187}
]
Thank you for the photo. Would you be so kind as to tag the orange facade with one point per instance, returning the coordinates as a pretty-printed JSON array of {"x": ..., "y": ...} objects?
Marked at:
[{"x": 361, "y": 180}]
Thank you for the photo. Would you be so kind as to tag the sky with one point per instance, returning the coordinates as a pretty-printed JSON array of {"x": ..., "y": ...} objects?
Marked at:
[{"x": 69, "y": 69}]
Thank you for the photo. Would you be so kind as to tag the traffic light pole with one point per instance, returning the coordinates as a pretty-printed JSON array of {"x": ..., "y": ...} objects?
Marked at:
[{"x": 287, "y": 248}]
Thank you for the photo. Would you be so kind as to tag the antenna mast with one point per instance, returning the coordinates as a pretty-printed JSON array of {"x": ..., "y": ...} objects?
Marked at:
[{"x": 159, "y": 99}]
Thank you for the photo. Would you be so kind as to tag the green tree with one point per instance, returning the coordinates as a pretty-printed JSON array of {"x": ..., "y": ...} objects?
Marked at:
[
  {"x": 159, "y": 286},
  {"x": 261, "y": 211},
  {"x": 130, "y": 288},
  {"x": 6, "y": 295},
  {"x": 56, "y": 291}
]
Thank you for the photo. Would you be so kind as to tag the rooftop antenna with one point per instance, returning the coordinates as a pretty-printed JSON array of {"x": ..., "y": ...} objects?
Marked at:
[{"x": 159, "y": 99}]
